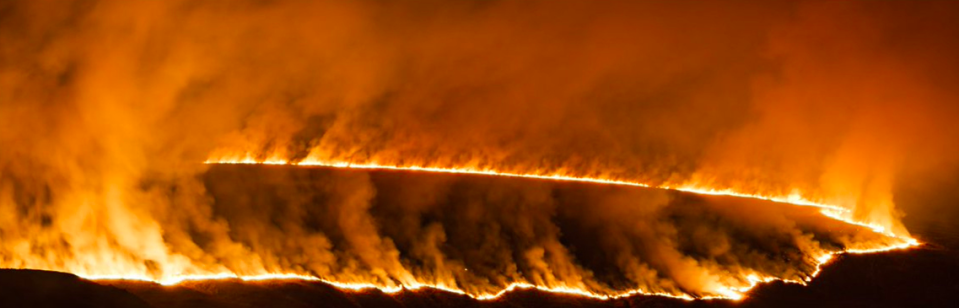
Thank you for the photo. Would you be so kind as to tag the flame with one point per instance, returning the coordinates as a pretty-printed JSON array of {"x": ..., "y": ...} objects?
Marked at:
[
  {"x": 734, "y": 288},
  {"x": 731, "y": 293},
  {"x": 725, "y": 292},
  {"x": 832, "y": 211},
  {"x": 795, "y": 198}
]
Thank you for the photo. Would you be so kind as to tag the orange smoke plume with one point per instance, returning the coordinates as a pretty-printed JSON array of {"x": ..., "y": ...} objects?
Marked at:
[{"x": 701, "y": 120}]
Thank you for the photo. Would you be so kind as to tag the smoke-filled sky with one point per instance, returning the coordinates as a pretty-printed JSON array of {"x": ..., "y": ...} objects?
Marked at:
[{"x": 109, "y": 108}]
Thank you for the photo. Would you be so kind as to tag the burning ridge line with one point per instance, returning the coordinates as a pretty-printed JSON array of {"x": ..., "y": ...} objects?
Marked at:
[
  {"x": 729, "y": 293},
  {"x": 733, "y": 293},
  {"x": 831, "y": 211},
  {"x": 793, "y": 199}
]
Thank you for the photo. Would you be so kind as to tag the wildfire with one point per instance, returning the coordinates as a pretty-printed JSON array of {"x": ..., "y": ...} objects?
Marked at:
[
  {"x": 727, "y": 292},
  {"x": 734, "y": 287},
  {"x": 731, "y": 293},
  {"x": 832, "y": 211},
  {"x": 560, "y": 152}
]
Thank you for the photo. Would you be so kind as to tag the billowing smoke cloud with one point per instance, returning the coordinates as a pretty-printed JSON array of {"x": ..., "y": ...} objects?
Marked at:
[
  {"x": 480, "y": 234},
  {"x": 107, "y": 109}
]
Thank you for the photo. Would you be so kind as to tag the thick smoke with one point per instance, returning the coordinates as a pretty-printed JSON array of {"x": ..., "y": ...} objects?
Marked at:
[
  {"x": 480, "y": 234},
  {"x": 108, "y": 108}
]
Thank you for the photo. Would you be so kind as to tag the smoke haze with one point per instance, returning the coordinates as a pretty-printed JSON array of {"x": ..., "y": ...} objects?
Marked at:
[{"x": 109, "y": 108}]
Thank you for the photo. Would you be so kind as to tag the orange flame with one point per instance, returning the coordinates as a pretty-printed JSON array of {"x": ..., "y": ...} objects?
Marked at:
[{"x": 725, "y": 292}]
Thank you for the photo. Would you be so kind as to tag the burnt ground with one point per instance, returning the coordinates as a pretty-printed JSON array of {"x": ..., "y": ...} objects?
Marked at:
[{"x": 924, "y": 277}]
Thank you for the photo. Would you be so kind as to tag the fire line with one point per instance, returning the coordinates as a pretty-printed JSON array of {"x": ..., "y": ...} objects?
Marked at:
[
  {"x": 733, "y": 293},
  {"x": 832, "y": 211}
]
